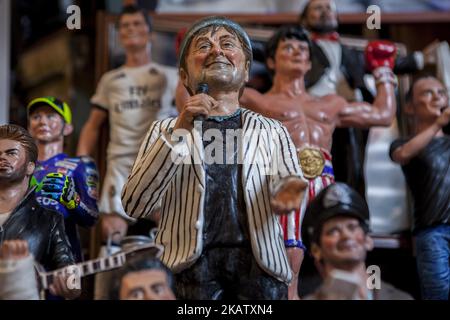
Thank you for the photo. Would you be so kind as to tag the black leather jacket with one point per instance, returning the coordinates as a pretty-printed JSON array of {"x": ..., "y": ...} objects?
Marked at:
[{"x": 44, "y": 231}]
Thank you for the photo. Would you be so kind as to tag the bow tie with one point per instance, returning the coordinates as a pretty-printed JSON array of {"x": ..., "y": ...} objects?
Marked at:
[{"x": 332, "y": 36}]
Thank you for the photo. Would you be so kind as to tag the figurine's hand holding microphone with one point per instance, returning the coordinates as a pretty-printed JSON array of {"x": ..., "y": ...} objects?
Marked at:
[
  {"x": 196, "y": 108},
  {"x": 201, "y": 88}
]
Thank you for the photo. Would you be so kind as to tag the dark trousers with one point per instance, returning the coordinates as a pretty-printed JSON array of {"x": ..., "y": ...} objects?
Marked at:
[
  {"x": 228, "y": 273},
  {"x": 433, "y": 262}
]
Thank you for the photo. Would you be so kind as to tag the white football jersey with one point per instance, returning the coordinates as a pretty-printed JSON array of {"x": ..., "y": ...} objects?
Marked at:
[{"x": 135, "y": 97}]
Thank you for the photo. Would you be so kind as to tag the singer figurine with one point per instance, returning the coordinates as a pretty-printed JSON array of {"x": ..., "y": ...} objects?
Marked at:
[{"x": 219, "y": 226}]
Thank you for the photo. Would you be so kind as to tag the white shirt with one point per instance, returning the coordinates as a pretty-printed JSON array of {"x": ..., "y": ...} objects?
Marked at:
[
  {"x": 134, "y": 98},
  {"x": 333, "y": 81}
]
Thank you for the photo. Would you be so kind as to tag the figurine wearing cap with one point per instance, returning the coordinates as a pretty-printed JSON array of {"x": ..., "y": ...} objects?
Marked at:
[
  {"x": 336, "y": 227},
  {"x": 219, "y": 226},
  {"x": 65, "y": 184}
]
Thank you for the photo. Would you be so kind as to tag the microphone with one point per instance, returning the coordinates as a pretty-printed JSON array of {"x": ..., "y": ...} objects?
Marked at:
[{"x": 201, "y": 88}]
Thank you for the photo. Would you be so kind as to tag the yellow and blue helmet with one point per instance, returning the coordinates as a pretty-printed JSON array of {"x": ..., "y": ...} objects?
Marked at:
[{"x": 58, "y": 105}]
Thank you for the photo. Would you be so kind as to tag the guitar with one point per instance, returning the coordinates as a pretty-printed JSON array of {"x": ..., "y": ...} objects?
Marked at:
[{"x": 96, "y": 265}]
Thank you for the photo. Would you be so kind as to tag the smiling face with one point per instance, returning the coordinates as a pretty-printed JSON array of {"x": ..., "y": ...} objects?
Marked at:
[
  {"x": 45, "y": 125},
  {"x": 291, "y": 56},
  {"x": 215, "y": 57},
  {"x": 134, "y": 33},
  {"x": 342, "y": 243},
  {"x": 146, "y": 285},
  {"x": 14, "y": 165},
  {"x": 429, "y": 99}
]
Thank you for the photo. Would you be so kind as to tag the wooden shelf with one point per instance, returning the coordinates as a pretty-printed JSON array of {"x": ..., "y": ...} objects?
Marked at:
[
  {"x": 284, "y": 18},
  {"x": 399, "y": 18},
  {"x": 381, "y": 241}
]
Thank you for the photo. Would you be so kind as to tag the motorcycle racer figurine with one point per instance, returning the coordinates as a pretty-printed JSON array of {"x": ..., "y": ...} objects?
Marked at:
[{"x": 65, "y": 184}]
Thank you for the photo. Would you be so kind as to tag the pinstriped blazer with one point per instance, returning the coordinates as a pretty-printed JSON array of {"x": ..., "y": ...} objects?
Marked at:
[{"x": 173, "y": 173}]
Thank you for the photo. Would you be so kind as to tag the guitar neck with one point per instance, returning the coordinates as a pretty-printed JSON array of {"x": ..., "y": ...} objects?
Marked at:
[{"x": 83, "y": 269}]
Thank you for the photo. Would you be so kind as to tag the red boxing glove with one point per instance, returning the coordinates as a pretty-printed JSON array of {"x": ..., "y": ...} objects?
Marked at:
[
  {"x": 179, "y": 39},
  {"x": 380, "y": 53}
]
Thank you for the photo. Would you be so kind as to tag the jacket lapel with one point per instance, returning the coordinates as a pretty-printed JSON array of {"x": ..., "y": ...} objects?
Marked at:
[
  {"x": 249, "y": 149},
  {"x": 198, "y": 154}
]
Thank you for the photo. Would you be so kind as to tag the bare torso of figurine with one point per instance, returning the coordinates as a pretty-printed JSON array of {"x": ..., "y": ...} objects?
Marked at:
[{"x": 309, "y": 120}]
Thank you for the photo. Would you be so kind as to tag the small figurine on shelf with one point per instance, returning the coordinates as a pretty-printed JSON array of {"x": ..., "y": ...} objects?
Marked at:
[
  {"x": 336, "y": 230},
  {"x": 425, "y": 161},
  {"x": 21, "y": 217},
  {"x": 65, "y": 184}
]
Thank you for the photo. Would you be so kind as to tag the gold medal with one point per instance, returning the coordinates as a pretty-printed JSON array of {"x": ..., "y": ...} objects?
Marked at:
[{"x": 312, "y": 162}]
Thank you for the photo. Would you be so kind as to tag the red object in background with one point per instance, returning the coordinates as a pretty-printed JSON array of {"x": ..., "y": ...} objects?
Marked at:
[
  {"x": 179, "y": 39},
  {"x": 332, "y": 36},
  {"x": 380, "y": 53}
]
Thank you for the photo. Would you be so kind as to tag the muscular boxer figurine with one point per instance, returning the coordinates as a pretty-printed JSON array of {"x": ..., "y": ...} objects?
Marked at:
[
  {"x": 337, "y": 68},
  {"x": 310, "y": 120}
]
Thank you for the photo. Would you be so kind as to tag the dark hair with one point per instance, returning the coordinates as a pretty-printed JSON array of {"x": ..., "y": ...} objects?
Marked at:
[
  {"x": 317, "y": 234},
  {"x": 19, "y": 134},
  {"x": 132, "y": 9},
  {"x": 410, "y": 94},
  {"x": 138, "y": 262},
  {"x": 302, "y": 15},
  {"x": 287, "y": 32}
]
